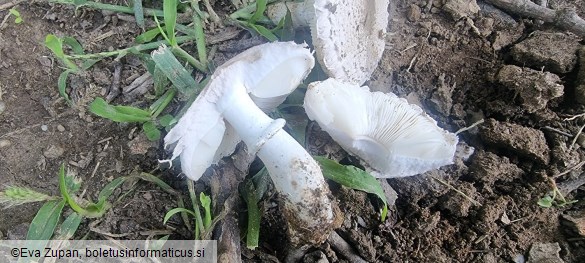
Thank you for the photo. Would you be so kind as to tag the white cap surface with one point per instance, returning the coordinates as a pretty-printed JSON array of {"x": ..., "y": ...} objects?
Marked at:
[{"x": 392, "y": 137}]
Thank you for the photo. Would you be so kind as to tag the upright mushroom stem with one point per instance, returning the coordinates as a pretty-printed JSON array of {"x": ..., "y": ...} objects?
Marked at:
[{"x": 295, "y": 174}]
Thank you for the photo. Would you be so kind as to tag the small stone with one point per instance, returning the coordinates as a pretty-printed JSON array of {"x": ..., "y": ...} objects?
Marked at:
[
  {"x": 535, "y": 88},
  {"x": 556, "y": 52},
  {"x": 524, "y": 141},
  {"x": 44, "y": 128},
  {"x": 5, "y": 143},
  {"x": 545, "y": 253},
  {"x": 2, "y": 106},
  {"x": 413, "y": 13},
  {"x": 60, "y": 128},
  {"x": 140, "y": 144},
  {"x": 53, "y": 152}
]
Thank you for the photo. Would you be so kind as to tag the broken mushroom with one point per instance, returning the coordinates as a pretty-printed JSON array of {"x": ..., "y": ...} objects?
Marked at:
[
  {"x": 392, "y": 137},
  {"x": 265, "y": 73},
  {"x": 348, "y": 35}
]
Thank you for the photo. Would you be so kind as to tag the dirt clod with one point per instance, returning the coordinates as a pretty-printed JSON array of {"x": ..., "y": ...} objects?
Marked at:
[
  {"x": 556, "y": 52},
  {"x": 524, "y": 141},
  {"x": 461, "y": 8},
  {"x": 535, "y": 88},
  {"x": 54, "y": 152},
  {"x": 580, "y": 83},
  {"x": 545, "y": 253},
  {"x": 488, "y": 167}
]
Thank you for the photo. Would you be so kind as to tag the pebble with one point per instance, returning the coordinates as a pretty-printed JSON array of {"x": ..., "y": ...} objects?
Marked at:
[
  {"x": 5, "y": 143},
  {"x": 2, "y": 107},
  {"x": 44, "y": 128},
  {"x": 60, "y": 128},
  {"x": 545, "y": 252},
  {"x": 413, "y": 14},
  {"x": 147, "y": 196}
]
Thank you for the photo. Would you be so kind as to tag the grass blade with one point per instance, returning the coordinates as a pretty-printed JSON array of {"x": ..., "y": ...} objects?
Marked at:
[
  {"x": 44, "y": 223},
  {"x": 260, "y": 8},
  {"x": 118, "y": 113},
  {"x": 14, "y": 195},
  {"x": 74, "y": 44},
  {"x": 174, "y": 71},
  {"x": 206, "y": 203},
  {"x": 138, "y": 13},
  {"x": 170, "y": 18},
  {"x": 147, "y": 36},
  {"x": 173, "y": 211},
  {"x": 254, "y": 216},
  {"x": 55, "y": 44},
  {"x": 351, "y": 176},
  {"x": 62, "y": 86}
]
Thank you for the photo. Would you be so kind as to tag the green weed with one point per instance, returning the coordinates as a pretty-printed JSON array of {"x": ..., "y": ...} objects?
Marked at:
[{"x": 17, "y": 18}]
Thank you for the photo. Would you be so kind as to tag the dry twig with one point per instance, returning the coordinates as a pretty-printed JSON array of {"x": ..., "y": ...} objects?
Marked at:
[{"x": 565, "y": 19}]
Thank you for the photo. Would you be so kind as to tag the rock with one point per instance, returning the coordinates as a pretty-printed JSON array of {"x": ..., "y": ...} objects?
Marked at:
[
  {"x": 413, "y": 13},
  {"x": 44, "y": 128},
  {"x": 535, "y": 88},
  {"x": 2, "y": 106},
  {"x": 580, "y": 83},
  {"x": 526, "y": 142},
  {"x": 461, "y": 8},
  {"x": 556, "y": 52},
  {"x": 60, "y": 128},
  {"x": 54, "y": 152},
  {"x": 545, "y": 253},
  {"x": 488, "y": 167},
  {"x": 316, "y": 257}
]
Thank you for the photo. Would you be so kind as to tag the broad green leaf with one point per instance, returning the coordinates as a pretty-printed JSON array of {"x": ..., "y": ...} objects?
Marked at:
[
  {"x": 68, "y": 228},
  {"x": 167, "y": 120},
  {"x": 138, "y": 13},
  {"x": 546, "y": 201},
  {"x": 352, "y": 177},
  {"x": 88, "y": 63},
  {"x": 118, "y": 113},
  {"x": 74, "y": 44},
  {"x": 62, "y": 85},
  {"x": 173, "y": 211},
  {"x": 170, "y": 18},
  {"x": 175, "y": 72},
  {"x": 45, "y": 222},
  {"x": 152, "y": 133},
  {"x": 147, "y": 36},
  {"x": 55, "y": 44}
]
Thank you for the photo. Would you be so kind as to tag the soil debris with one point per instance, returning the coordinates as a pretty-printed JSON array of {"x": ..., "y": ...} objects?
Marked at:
[
  {"x": 524, "y": 141},
  {"x": 488, "y": 167},
  {"x": 535, "y": 88},
  {"x": 552, "y": 51},
  {"x": 54, "y": 151},
  {"x": 574, "y": 223},
  {"x": 580, "y": 83},
  {"x": 461, "y": 8}
]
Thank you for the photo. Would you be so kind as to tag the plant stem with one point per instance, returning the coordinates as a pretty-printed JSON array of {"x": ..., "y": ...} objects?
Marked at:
[
  {"x": 194, "y": 200},
  {"x": 115, "y": 8},
  {"x": 137, "y": 48},
  {"x": 179, "y": 52}
]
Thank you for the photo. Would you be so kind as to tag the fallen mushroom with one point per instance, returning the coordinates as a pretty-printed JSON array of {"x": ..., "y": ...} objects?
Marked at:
[
  {"x": 348, "y": 35},
  {"x": 267, "y": 73},
  {"x": 391, "y": 136}
]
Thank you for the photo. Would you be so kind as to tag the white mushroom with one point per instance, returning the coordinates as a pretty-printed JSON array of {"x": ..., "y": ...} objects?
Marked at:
[
  {"x": 348, "y": 35},
  {"x": 267, "y": 71},
  {"x": 391, "y": 136}
]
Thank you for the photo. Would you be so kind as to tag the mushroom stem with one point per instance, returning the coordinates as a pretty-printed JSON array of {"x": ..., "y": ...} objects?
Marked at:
[{"x": 296, "y": 175}]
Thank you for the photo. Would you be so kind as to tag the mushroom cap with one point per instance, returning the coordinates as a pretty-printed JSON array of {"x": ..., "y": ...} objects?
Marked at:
[
  {"x": 349, "y": 37},
  {"x": 268, "y": 72},
  {"x": 392, "y": 137}
]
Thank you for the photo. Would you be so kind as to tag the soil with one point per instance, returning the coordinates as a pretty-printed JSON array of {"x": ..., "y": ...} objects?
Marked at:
[{"x": 460, "y": 63}]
